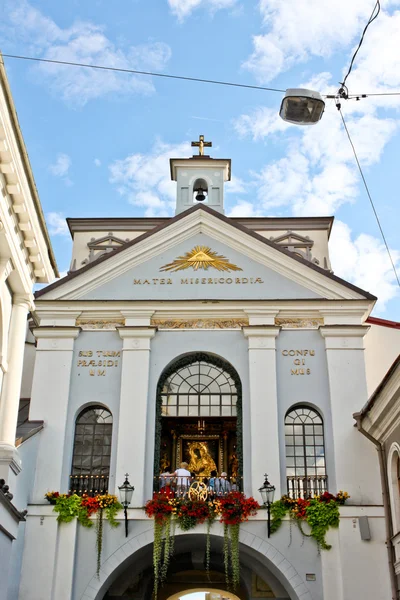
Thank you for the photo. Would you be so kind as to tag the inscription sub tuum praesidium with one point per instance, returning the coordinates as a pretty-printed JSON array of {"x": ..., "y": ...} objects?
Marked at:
[
  {"x": 98, "y": 361},
  {"x": 300, "y": 361}
]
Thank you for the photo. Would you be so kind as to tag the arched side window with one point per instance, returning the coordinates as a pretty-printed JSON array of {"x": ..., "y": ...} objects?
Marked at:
[
  {"x": 92, "y": 450},
  {"x": 305, "y": 453},
  {"x": 393, "y": 465},
  {"x": 199, "y": 389}
]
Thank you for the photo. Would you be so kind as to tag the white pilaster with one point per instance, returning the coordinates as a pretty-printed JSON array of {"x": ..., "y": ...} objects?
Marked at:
[
  {"x": 133, "y": 408},
  {"x": 49, "y": 402},
  {"x": 263, "y": 444},
  {"x": 356, "y": 461},
  {"x": 10, "y": 392}
]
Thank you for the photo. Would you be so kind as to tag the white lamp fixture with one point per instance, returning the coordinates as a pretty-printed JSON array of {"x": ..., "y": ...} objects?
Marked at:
[{"x": 302, "y": 107}]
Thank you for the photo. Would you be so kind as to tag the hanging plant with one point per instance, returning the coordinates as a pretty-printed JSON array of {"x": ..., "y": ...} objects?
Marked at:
[
  {"x": 72, "y": 506},
  {"x": 233, "y": 509},
  {"x": 320, "y": 512},
  {"x": 161, "y": 509}
]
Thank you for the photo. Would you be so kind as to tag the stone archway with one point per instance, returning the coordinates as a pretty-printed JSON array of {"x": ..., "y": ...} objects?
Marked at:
[{"x": 253, "y": 548}]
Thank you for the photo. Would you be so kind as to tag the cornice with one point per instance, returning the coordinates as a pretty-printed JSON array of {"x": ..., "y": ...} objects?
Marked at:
[
  {"x": 56, "y": 332},
  {"x": 21, "y": 188}
]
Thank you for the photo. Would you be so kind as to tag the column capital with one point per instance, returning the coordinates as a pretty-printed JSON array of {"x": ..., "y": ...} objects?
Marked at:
[
  {"x": 344, "y": 337},
  {"x": 23, "y": 300},
  {"x": 261, "y": 337},
  {"x": 136, "y": 338},
  {"x": 56, "y": 338}
]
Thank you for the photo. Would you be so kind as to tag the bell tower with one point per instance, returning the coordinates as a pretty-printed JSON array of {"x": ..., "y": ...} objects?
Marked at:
[{"x": 200, "y": 179}]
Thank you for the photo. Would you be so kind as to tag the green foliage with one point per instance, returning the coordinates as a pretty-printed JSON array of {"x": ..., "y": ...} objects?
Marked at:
[
  {"x": 278, "y": 511},
  {"x": 99, "y": 538},
  {"x": 226, "y": 554},
  {"x": 321, "y": 516},
  {"x": 68, "y": 507},
  {"x": 235, "y": 564},
  {"x": 111, "y": 513}
]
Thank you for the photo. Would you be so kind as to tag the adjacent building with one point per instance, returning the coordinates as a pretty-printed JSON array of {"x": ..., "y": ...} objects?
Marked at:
[{"x": 26, "y": 258}]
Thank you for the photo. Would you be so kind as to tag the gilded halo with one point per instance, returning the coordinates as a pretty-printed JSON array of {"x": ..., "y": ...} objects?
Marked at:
[{"x": 201, "y": 257}]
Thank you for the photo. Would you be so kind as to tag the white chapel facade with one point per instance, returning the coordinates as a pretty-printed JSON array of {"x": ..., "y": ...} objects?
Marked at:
[{"x": 200, "y": 329}]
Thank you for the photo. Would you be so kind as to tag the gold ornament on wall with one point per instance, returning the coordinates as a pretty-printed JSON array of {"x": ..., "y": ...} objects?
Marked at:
[{"x": 201, "y": 257}]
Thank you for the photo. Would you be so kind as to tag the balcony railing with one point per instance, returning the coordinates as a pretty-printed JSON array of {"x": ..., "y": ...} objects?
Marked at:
[
  {"x": 88, "y": 484},
  {"x": 197, "y": 487},
  {"x": 306, "y": 487}
]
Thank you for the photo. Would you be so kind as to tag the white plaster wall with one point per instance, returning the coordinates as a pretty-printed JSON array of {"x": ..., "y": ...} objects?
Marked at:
[
  {"x": 5, "y": 316},
  {"x": 382, "y": 347},
  {"x": 5, "y": 555},
  {"x": 29, "y": 365}
]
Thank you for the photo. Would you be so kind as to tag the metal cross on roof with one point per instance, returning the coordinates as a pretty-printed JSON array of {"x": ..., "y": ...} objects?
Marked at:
[{"x": 201, "y": 144}]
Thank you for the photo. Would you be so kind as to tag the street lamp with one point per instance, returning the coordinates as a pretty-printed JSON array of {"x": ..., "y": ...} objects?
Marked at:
[
  {"x": 267, "y": 492},
  {"x": 302, "y": 107},
  {"x": 125, "y": 493}
]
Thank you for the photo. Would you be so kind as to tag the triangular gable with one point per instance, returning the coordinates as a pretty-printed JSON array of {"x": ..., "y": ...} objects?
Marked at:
[
  {"x": 290, "y": 238},
  {"x": 203, "y": 227}
]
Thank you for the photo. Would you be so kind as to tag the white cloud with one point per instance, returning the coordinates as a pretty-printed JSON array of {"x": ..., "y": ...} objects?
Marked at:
[
  {"x": 61, "y": 168},
  {"x": 97, "y": 162},
  {"x": 243, "y": 209},
  {"x": 57, "y": 224},
  {"x": 62, "y": 165},
  {"x": 83, "y": 42},
  {"x": 183, "y": 8},
  {"x": 235, "y": 186},
  {"x": 365, "y": 262},
  {"x": 298, "y": 29},
  {"x": 145, "y": 178}
]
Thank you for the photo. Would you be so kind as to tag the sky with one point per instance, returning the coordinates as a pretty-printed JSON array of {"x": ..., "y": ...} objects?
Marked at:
[{"x": 99, "y": 142}]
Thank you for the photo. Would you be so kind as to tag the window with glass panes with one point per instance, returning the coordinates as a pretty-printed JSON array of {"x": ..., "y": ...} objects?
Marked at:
[
  {"x": 200, "y": 389},
  {"x": 92, "y": 442},
  {"x": 304, "y": 440}
]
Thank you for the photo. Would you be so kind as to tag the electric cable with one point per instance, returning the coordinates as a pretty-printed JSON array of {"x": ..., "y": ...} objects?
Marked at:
[
  {"x": 372, "y": 18},
  {"x": 136, "y": 72},
  {"x": 368, "y": 193},
  {"x": 212, "y": 81}
]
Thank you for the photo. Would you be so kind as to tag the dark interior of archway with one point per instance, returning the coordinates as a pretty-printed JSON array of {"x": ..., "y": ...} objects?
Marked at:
[{"x": 186, "y": 572}]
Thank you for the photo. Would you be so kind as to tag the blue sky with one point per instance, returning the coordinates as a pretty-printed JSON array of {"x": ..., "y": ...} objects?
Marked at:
[{"x": 99, "y": 142}]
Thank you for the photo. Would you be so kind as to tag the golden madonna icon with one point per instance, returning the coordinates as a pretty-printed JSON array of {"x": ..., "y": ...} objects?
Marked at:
[{"x": 201, "y": 257}]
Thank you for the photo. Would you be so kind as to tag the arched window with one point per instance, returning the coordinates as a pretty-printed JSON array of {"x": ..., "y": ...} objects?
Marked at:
[
  {"x": 200, "y": 389},
  {"x": 199, "y": 399},
  {"x": 305, "y": 452},
  {"x": 92, "y": 450}
]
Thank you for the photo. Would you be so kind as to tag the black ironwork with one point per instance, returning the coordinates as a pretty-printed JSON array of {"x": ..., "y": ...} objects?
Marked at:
[
  {"x": 231, "y": 379},
  {"x": 92, "y": 445},
  {"x": 91, "y": 485},
  {"x": 180, "y": 485},
  {"x": 305, "y": 452}
]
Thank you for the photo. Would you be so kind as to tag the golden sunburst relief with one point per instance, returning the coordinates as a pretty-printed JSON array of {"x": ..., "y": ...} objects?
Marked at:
[{"x": 201, "y": 257}]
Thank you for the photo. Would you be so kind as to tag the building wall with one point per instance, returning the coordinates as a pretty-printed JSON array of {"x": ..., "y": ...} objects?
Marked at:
[{"x": 382, "y": 347}]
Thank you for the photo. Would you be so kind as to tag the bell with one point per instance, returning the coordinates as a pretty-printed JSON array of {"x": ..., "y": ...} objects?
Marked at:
[{"x": 200, "y": 195}]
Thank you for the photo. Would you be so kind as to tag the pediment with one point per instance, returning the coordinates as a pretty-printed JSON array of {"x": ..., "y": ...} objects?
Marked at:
[{"x": 201, "y": 255}]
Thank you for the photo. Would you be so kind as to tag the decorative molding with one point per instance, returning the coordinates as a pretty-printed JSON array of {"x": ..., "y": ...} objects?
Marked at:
[
  {"x": 91, "y": 324},
  {"x": 201, "y": 257},
  {"x": 199, "y": 323},
  {"x": 299, "y": 323}
]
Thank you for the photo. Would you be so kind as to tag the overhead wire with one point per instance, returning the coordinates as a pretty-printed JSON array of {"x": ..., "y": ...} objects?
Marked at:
[
  {"x": 369, "y": 194},
  {"x": 148, "y": 73},
  {"x": 182, "y": 77},
  {"x": 374, "y": 15}
]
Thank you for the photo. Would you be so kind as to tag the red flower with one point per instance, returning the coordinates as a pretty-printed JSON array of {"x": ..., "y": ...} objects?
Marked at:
[
  {"x": 159, "y": 507},
  {"x": 236, "y": 508},
  {"x": 326, "y": 497}
]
